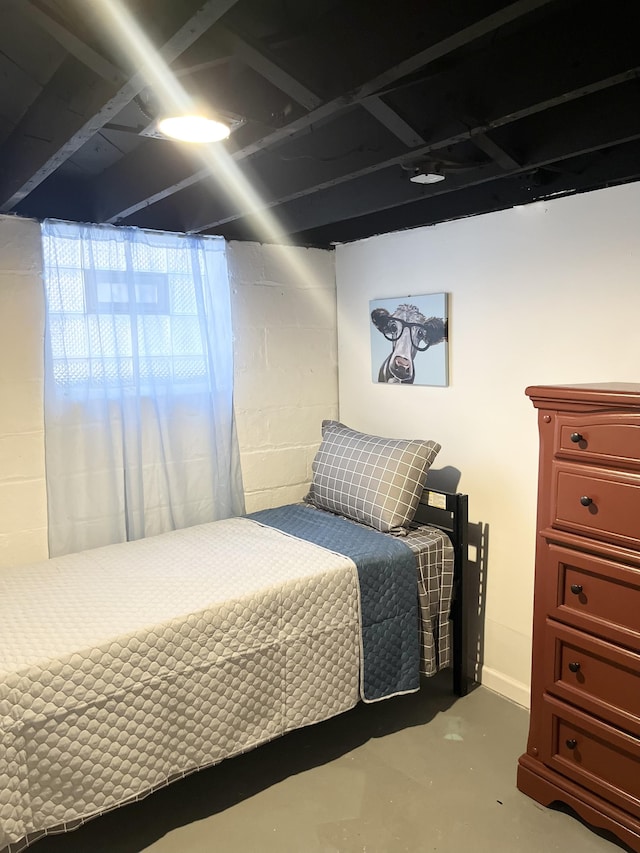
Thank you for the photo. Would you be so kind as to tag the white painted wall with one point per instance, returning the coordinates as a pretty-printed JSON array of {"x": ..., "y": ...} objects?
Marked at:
[
  {"x": 284, "y": 313},
  {"x": 23, "y": 508},
  {"x": 549, "y": 293},
  {"x": 286, "y": 365}
]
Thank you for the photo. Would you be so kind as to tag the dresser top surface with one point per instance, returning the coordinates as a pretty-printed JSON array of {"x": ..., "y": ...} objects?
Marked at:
[{"x": 600, "y": 393}]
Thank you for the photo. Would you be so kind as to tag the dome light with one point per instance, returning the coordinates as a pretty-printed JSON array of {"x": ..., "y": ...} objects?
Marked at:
[
  {"x": 421, "y": 177},
  {"x": 194, "y": 129}
]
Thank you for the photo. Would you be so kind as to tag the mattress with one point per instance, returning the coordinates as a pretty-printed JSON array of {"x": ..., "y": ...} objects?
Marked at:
[{"x": 126, "y": 667}]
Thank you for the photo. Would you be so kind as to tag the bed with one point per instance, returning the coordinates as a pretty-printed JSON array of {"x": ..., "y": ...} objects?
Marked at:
[{"x": 127, "y": 667}]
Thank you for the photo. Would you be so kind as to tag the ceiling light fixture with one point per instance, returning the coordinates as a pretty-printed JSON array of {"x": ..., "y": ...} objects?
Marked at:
[
  {"x": 194, "y": 128},
  {"x": 420, "y": 177}
]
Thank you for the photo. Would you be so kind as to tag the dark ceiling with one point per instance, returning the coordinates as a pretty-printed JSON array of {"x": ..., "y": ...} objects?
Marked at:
[{"x": 335, "y": 105}]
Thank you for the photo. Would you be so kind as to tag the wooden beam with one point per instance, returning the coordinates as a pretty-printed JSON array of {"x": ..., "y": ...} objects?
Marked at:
[
  {"x": 465, "y": 35},
  {"x": 393, "y": 121},
  {"x": 57, "y": 125},
  {"x": 113, "y": 188},
  {"x": 262, "y": 60},
  {"x": 497, "y": 153}
]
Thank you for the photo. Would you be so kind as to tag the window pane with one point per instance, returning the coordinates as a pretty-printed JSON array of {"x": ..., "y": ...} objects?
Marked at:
[
  {"x": 112, "y": 291},
  {"x": 71, "y": 372},
  {"x": 62, "y": 252},
  {"x": 178, "y": 261},
  {"x": 124, "y": 311},
  {"x": 146, "y": 258},
  {"x": 68, "y": 336},
  {"x": 65, "y": 291},
  {"x": 112, "y": 371},
  {"x": 155, "y": 369},
  {"x": 109, "y": 335},
  {"x": 182, "y": 295},
  {"x": 147, "y": 294},
  {"x": 154, "y": 335},
  {"x": 103, "y": 255},
  {"x": 189, "y": 368},
  {"x": 185, "y": 336}
]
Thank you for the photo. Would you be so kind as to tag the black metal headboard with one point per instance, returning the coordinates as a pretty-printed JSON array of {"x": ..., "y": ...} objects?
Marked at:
[{"x": 450, "y": 512}]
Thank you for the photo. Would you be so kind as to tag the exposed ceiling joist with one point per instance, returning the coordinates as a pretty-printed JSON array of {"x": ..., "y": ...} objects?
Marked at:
[
  {"x": 116, "y": 186},
  {"x": 519, "y": 98},
  {"x": 463, "y": 36},
  {"x": 341, "y": 103},
  {"x": 53, "y": 129},
  {"x": 260, "y": 58},
  {"x": 393, "y": 121},
  {"x": 501, "y": 156}
]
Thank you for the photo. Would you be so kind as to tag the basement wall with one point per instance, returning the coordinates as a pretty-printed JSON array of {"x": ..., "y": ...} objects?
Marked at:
[
  {"x": 23, "y": 501},
  {"x": 286, "y": 365}
]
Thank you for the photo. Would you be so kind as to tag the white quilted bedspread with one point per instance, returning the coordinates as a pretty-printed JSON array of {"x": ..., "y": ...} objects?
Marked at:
[{"x": 126, "y": 666}]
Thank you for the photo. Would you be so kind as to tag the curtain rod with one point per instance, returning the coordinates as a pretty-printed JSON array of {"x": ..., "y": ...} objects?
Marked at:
[{"x": 132, "y": 227}]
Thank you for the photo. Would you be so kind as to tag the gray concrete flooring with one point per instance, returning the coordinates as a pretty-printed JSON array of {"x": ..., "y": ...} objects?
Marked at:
[{"x": 426, "y": 773}]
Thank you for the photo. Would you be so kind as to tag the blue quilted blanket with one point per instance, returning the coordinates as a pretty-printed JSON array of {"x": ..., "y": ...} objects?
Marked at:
[{"x": 388, "y": 594}]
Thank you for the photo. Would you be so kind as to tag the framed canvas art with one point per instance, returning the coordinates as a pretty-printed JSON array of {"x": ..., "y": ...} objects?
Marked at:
[{"x": 409, "y": 340}]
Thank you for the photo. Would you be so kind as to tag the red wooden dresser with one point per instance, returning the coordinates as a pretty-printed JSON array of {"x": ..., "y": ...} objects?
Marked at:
[{"x": 584, "y": 736}]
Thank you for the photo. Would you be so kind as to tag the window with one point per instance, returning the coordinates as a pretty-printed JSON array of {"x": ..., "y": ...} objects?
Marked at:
[
  {"x": 126, "y": 313},
  {"x": 139, "y": 426}
]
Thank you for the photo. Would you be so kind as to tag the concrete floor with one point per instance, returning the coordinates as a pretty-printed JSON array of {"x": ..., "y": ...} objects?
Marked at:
[{"x": 420, "y": 773}]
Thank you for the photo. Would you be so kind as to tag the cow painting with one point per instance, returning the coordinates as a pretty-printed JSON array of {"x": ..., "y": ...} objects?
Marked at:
[{"x": 409, "y": 332}]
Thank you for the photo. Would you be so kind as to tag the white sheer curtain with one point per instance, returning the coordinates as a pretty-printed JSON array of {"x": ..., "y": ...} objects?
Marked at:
[{"x": 139, "y": 429}]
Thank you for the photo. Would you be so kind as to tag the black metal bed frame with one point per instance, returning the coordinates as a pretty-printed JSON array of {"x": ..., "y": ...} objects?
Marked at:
[{"x": 450, "y": 512}]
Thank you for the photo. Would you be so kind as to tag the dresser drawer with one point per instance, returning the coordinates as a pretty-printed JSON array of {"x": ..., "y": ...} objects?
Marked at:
[
  {"x": 597, "y": 676},
  {"x": 611, "y": 438},
  {"x": 592, "y": 594},
  {"x": 592, "y": 753},
  {"x": 600, "y": 504}
]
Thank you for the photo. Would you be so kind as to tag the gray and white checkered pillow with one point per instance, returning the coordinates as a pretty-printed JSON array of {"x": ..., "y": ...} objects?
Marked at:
[{"x": 377, "y": 481}]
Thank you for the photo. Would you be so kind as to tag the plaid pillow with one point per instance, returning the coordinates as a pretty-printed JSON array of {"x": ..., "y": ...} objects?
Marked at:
[{"x": 377, "y": 481}]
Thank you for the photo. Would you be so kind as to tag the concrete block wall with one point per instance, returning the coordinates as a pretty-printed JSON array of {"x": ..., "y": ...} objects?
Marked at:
[
  {"x": 23, "y": 503},
  {"x": 286, "y": 365}
]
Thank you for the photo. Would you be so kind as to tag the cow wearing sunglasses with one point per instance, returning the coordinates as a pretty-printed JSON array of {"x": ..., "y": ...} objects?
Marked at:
[{"x": 409, "y": 332}]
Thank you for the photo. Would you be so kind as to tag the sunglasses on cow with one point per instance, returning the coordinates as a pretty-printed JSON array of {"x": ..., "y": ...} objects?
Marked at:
[{"x": 395, "y": 327}]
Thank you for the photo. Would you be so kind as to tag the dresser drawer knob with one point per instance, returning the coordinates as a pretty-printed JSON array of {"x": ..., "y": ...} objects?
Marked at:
[
  {"x": 576, "y": 438},
  {"x": 572, "y": 743},
  {"x": 576, "y": 588},
  {"x": 574, "y": 667},
  {"x": 585, "y": 500}
]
